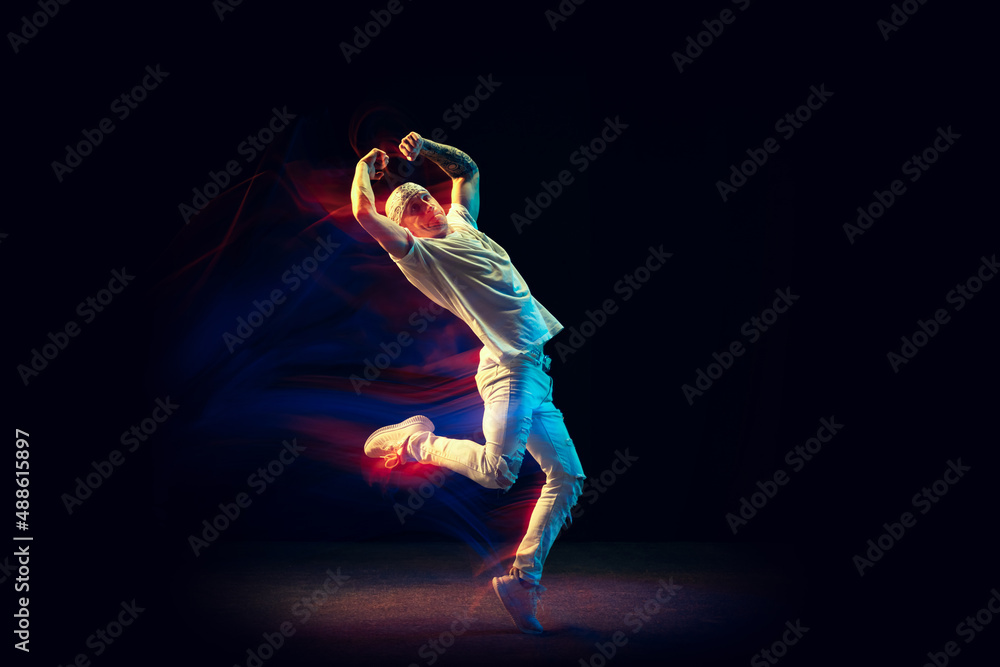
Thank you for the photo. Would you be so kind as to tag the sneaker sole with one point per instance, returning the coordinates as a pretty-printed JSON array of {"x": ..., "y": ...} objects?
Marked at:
[
  {"x": 418, "y": 419},
  {"x": 506, "y": 606}
]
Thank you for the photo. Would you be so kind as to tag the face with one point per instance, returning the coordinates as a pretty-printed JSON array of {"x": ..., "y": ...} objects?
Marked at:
[{"x": 424, "y": 217}]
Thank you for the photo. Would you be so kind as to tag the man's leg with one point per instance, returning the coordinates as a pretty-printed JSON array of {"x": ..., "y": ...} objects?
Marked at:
[
  {"x": 514, "y": 395},
  {"x": 480, "y": 464},
  {"x": 510, "y": 394},
  {"x": 550, "y": 445}
]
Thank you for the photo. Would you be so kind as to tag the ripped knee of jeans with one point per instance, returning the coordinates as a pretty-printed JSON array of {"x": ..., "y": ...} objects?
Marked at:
[
  {"x": 508, "y": 467},
  {"x": 575, "y": 489}
]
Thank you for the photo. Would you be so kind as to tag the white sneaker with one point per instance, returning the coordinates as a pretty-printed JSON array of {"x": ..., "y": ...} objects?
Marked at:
[
  {"x": 389, "y": 442},
  {"x": 520, "y": 602}
]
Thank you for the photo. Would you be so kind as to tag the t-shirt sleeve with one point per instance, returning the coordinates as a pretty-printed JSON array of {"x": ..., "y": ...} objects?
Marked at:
[
  {"x": 409, "y": 253},
  {"x": 459, "y": 214}
]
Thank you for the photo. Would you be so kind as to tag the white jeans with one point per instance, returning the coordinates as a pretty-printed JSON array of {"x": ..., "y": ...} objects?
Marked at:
[{"x": 519, "y": 415}]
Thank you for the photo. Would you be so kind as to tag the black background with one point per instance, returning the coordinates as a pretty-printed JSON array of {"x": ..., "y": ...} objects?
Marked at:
[{"x": 655, "y": 185}]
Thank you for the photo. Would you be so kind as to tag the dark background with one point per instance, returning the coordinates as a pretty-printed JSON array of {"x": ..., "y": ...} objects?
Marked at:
[{"x": 655, "y": 185}]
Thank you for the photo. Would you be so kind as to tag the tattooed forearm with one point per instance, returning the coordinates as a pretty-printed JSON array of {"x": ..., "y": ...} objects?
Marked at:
[{"x": 456, "y": 163}]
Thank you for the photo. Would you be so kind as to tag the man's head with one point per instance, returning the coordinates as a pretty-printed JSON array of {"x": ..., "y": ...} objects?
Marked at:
[{"x": 412, "y": 207}]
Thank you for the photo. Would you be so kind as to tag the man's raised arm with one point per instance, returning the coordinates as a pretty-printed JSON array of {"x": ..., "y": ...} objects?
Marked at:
[
  {"x": 463, "y": 171},
  {"x": 389, "y": 235}
]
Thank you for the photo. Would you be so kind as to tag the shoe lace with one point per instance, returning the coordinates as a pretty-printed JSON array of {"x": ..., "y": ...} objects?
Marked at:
[{"x": 396, "y": 458}]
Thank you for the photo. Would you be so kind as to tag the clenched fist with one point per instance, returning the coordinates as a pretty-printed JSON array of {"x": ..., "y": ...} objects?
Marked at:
[
  {"x": 376, "y": 160},
  {"x": 410, "y": 146}
]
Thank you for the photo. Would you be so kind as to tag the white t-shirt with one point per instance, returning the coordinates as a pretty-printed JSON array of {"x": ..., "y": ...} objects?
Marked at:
[{"x": 469, "y": 274}]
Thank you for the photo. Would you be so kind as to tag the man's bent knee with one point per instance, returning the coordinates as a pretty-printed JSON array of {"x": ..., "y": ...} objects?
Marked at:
[
  {"x": 570, "y": 490},
  {"x": 507, "y": 469},
  {"x": 566, "y": 488}
]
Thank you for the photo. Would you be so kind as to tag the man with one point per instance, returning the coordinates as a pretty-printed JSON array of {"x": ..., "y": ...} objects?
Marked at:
[{"x": 458, "y": 267}]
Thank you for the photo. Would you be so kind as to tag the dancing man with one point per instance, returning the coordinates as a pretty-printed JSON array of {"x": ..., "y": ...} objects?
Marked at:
[{"x": 446, "y": 257}]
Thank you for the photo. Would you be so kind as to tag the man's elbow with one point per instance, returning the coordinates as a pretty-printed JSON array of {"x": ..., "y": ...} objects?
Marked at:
[
  {"x": 468, "y": 177},
  {"x": 363, "y": 211}
]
